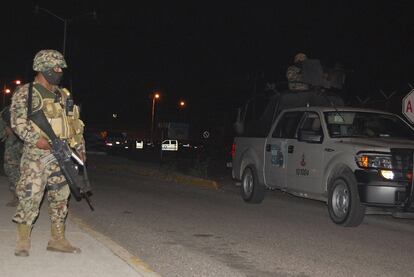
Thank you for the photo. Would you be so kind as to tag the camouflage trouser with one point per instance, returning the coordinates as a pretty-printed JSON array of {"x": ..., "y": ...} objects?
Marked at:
[
  {"x": 12, "y": 157},
  {"x": 13, "y": 174},
  {"x": 36, "y": 177}
]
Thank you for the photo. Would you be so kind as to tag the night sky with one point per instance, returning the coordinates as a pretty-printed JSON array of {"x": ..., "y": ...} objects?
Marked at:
[{"x": 209, "y": 54}]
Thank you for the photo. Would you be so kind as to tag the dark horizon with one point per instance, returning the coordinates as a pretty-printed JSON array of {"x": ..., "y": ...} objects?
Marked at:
[{"x": 207, "y": 55}]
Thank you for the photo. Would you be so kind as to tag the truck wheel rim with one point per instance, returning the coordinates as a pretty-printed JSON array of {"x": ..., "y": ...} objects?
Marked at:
[
  {"x": 248, "y": 182},
  {"x": 340, "y": 199}
]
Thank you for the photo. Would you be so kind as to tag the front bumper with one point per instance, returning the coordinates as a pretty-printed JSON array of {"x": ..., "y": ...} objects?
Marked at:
[{"x": 374, "y": 190}]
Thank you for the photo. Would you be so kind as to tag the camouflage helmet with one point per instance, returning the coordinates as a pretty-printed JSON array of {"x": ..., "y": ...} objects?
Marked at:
[
  {"x": 47, "y": 59},
  {"x": 299, "y": 57}
]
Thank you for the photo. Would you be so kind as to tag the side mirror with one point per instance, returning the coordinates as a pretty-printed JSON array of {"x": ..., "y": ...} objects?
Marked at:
[{"x": 310, "y": 136}]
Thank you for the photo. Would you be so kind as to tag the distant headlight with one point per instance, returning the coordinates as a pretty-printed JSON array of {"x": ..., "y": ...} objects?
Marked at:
[{"x": 368, "y": 160}]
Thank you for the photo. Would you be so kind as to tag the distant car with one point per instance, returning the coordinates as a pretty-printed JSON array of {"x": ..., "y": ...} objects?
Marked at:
[
  {"x": 149, "y": 144},
  {"x": 139, "y": 144},
  {"x": 169, "y": 145},
  {"x": 117, "y": 140},
  {"x": 186, "y": 145}
]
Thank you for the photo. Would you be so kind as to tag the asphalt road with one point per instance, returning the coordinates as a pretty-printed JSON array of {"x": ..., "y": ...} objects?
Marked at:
[{"x": 182, "y": 230}]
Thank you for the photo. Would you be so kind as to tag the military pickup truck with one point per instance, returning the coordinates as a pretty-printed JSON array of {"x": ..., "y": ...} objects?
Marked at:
[{"x": 349, "y": 158}]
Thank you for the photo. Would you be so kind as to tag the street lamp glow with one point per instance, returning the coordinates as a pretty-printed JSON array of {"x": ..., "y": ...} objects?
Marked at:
[
  {"x": 154, "y": 97},
  {"x": 6, "y": 91}
]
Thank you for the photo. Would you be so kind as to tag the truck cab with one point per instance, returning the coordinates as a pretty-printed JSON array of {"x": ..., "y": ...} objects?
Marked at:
[{"x": 347, "y": 157}]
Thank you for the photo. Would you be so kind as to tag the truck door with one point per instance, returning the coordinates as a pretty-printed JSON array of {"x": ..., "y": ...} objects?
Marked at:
[
  {"x": 305, "y": 157},
  {"x": 276, "y": 150}
]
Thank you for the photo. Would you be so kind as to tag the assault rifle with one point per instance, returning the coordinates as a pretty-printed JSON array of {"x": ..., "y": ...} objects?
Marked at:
[{"x": 80, "y": 187}]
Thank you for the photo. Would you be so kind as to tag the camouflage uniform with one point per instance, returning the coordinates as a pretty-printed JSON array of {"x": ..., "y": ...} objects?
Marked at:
[
  {"x": 39, "y": 169},
  {"x": 294, "y": 74},
  {"x": 13, "y": 148}
]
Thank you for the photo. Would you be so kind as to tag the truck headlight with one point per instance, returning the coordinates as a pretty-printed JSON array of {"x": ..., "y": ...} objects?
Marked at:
[
  {"x": 387, "y": 174},
  {"x": 374, "y": 160}
]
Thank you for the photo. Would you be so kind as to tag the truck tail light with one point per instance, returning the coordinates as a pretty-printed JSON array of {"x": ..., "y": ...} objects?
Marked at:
[
  {"x": 409, "y": 176},
  {"x": 233, "y": 150}
]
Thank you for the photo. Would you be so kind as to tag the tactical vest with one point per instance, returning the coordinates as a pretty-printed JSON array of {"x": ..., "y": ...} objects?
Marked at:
[{"x": 63, "y": 118}]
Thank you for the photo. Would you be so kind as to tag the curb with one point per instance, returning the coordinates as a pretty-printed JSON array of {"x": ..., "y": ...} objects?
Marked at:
[
  {"x": 165, "y": 176},
  {"x": 133, "y": 261},
  {"x": 189, "y": 180}
]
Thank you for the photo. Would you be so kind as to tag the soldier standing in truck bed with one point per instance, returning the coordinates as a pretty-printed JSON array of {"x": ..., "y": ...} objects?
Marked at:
[{"x": 294, "y": 74}]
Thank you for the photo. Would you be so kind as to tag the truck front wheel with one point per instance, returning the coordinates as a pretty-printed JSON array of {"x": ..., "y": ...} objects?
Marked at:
[
  {"x": 251, "y": 190},
  {"x": 343, "y": 204}
]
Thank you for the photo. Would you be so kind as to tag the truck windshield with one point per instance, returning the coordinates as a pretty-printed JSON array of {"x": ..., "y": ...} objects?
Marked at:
[{"x": 365, "y": 124}]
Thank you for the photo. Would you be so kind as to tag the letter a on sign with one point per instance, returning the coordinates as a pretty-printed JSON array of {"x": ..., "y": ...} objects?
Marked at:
[{"x": 407, "y": 106}]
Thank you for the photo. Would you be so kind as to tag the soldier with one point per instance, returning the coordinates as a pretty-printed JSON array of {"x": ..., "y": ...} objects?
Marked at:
[
  {"x": 13, "y": 147},
  {"x": 39, "y": 169},
  {"x": 294, "y": 74}
]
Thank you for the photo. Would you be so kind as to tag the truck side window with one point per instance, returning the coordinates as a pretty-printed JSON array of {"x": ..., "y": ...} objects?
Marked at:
[
  {"x": 312, "y": 123},
  {"x": 287, "y": 125}
]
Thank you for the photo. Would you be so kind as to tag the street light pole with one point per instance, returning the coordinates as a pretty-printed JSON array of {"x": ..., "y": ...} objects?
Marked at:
[
  {"x": 37, "y": 8},
  {"x": 65, "y": 25},
  {"x": 65, "y": 22},
  {"x": 154, "y": 97},
  {"x": 152, "y": 119}
]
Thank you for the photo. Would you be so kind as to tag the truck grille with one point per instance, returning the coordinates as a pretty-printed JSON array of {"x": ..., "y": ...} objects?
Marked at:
[{"x": 402, "y": 160}]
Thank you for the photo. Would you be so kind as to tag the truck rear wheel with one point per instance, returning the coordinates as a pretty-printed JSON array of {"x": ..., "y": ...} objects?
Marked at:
[
  {"x": 343, "y": 204},
  {"x": 251, "y": 190}
]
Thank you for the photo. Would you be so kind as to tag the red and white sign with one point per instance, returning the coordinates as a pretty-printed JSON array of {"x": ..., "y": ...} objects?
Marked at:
[{"x": 408, "y": 106}]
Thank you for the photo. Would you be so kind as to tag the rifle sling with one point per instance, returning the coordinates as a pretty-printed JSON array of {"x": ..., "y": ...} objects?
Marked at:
[{"x": 30, "y": 100}]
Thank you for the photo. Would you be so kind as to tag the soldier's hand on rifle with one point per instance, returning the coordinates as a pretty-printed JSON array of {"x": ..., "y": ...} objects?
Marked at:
[{"x": 43, "y": 143}]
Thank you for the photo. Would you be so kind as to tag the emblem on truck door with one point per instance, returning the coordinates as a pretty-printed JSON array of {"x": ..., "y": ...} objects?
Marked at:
[
  {"x": 302, "y": 171},
  {"x": 302, "y": 162}
]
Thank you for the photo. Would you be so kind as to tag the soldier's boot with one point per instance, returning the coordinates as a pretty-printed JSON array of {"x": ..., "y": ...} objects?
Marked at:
[
  {"x": 23, "y": 240},
  {"x": 14, "y": 201},
  {"x": 58, "y": 242}
]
